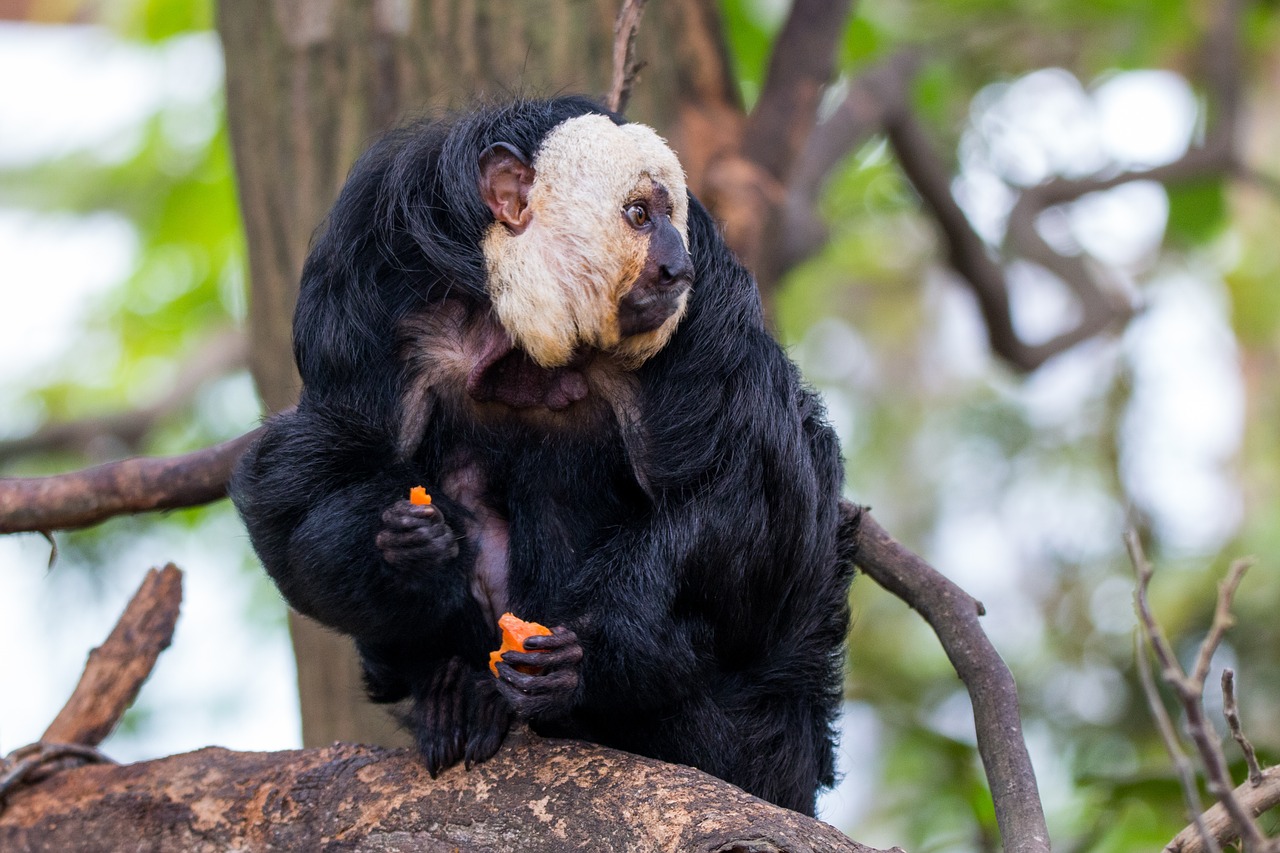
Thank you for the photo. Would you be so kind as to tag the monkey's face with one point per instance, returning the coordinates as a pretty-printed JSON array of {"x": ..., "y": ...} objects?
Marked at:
[{"x": 589, "y": 250}]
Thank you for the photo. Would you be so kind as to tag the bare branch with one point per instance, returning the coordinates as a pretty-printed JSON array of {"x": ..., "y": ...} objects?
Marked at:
[
  {"x": 1182, "y": 765},
  {"x": 116, "y": 669},
  {"x": 90, "y": 496},
  {"x": 1190, "y": 689},
  {"x": 953, "y": 615},
  {"x": 222, "y": 354},
  {"x": 1232, "y": 714},
  {"x": 625, "y": 66}
]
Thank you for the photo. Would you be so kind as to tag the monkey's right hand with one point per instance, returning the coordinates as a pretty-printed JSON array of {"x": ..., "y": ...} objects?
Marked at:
[{"x": 414, "y": 535}]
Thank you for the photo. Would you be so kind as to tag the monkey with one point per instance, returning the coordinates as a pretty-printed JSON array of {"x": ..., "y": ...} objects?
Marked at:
[{"x": 523, "y": 308}]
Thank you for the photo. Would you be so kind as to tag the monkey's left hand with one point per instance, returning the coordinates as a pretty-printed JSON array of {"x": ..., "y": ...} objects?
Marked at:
[{"x": 549, "y": 691}]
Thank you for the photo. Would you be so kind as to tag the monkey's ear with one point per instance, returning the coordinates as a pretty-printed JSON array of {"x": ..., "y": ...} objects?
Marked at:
[{"x": 505, "y": 178}]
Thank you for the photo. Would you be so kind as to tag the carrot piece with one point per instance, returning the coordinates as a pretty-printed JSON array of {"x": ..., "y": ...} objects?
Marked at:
[
  {"x": 418, "y": 495},
  {"x": 514, "y": 632}
]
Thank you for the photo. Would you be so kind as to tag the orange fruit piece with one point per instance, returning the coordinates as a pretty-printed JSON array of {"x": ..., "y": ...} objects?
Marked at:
[
  {"x": 418, "y": 495},
  {"x": 514, "y": 632}
]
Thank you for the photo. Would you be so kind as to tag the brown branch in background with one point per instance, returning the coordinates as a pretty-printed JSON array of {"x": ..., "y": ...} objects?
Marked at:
[
  {"x": 953, "y": 615},
  {"x": 966, "y": 251},
  {"x": 858, "y": 116},
  {"x": 90, "y": 496},
  {"x": 1232, "y": 714},
  {"x": 116, "y": 670},
  {"x": 801, "y": 65},
  {"x": 1189, "y": 689},
  {"x": 625, "y": 67},
  {"x": 224, "y": 353}
]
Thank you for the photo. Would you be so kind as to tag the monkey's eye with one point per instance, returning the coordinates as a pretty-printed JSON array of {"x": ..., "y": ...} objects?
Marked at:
[{"x": 637, "y": 214}]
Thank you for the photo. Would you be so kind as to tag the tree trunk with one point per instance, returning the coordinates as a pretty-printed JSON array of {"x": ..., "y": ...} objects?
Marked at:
[{"x": 311, "y": 82}]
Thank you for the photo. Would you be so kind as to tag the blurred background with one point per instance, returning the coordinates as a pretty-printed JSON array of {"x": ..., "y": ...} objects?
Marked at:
[{"x": 123, "y": 290}]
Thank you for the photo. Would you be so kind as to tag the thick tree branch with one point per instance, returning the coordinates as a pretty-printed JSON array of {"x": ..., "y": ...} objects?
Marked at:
[
  {"x": 953, "y": 615},
  {"x": 221, "y": 355},
  {"x": 87, "y": 497},
  {"x": 534, "y": 795}
]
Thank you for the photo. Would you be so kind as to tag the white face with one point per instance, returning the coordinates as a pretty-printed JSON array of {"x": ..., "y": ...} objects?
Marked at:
[{"x": 557, "y": 283}]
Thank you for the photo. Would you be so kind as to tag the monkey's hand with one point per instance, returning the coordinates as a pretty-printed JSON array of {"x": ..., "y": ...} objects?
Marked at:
[
  {"x": 550, "y": 689},
  {"x": 415, "y": 536}
]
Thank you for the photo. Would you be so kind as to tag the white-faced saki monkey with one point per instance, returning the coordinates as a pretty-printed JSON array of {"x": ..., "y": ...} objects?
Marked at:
[{"x": 522, "y": 309}]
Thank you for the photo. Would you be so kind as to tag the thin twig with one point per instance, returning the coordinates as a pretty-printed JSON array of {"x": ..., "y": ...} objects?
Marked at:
[
  {"x": 1190, "y": 689},
  {"x": 1232, "y": 713},
  {"x": 1185, "y": 770},
  {"x": 625, "y": 66}
]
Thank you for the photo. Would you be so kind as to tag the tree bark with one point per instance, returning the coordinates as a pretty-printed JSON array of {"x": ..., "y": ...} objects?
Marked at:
[{"x": 534, "y": 795}]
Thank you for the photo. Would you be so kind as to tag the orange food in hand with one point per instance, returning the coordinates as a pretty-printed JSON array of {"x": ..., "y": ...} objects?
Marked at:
[
  {"x": 514, "y": 632},
  {"x": 418, "y": 495}
]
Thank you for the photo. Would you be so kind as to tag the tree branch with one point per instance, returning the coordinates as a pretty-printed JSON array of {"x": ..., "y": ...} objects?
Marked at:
[
  {"x": 625, "y": 66},
  {"x": 1189, "y": 690},
  {"x": 116, "y": 670},
  {"x": 1255, "y": 799},
  {"x": 87, "y": 497},
  {"x": 222, "y": 354},
  {"x": 1232, "y": 714},
  {"x": 953, "y": 615},
  {"x": 535, "y": 795},
  {"x": 859, "y": 115},
  {"x": 800, "y": 67}
]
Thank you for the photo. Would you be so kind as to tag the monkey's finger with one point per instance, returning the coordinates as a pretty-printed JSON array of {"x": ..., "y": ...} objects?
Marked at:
[
  {"x": 561, "y": 637},
  {"x": 551, "y": 659},
  {"x": 407, "y": 516},
  {"x": 535, "y": 684},
  {"x": 411, "y": 538}
]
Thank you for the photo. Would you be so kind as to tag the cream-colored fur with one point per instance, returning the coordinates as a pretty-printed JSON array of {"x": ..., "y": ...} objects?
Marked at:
[{"x": 556, "y": 285}]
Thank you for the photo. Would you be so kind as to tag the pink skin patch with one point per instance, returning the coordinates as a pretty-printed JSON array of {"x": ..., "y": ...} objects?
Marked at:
[{"x": 508, "y": 375}]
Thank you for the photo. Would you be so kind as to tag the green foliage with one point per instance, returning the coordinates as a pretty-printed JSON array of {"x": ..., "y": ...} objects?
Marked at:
[{"x": 1197, "y": 211}]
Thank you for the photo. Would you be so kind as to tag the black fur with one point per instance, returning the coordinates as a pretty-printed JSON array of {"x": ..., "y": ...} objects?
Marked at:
[{"x": 696, "y": 561}]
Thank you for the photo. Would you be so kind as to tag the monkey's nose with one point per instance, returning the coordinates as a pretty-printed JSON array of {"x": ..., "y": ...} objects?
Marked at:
[{"x": 678, "y": 270}]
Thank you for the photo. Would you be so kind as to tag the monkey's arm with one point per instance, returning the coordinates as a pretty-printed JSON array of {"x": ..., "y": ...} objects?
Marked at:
[
  {"x": 322, "y": 495},
  {"x": 736, "y": 570}
]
